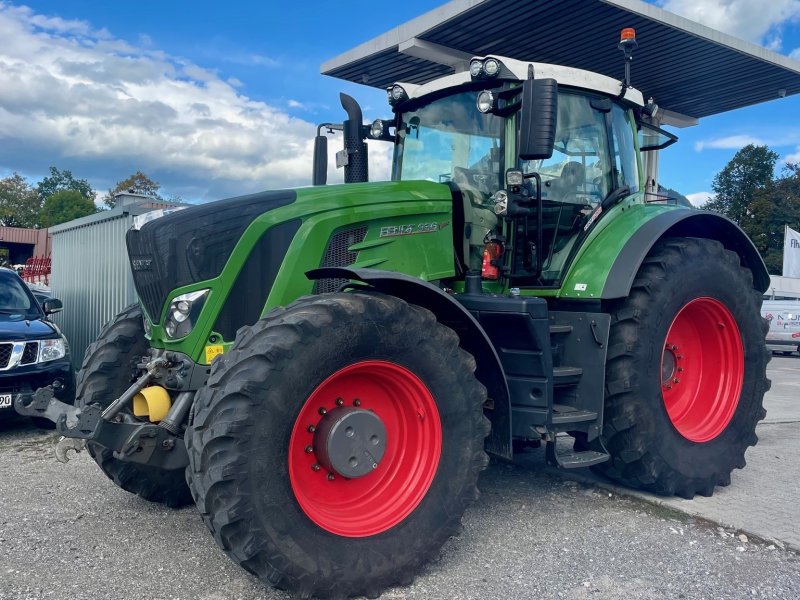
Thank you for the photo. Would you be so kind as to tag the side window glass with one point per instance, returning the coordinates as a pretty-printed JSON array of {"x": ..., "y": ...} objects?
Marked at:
[
  {"x": 625, "y": 164},
  {"x": 579, "y": 171}
]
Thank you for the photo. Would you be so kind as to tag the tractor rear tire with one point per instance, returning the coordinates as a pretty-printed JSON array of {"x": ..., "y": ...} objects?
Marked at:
[
  {"x": 686, "y": 371},
  {"x": 277, "y": 504},
  {"x": 107, "y": 371}
]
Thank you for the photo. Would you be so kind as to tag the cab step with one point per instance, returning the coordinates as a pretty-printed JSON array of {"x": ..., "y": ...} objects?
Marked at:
[
  {"x": 571, "y": 459},
  {"x": 564, "y": 376},
  {"x": 563, "y": 414}
]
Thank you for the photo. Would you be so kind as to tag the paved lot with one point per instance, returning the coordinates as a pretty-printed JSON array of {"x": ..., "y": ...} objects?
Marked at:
[
  {"x": 763, "y": 498},
  {"x": 67, "y": 532}
]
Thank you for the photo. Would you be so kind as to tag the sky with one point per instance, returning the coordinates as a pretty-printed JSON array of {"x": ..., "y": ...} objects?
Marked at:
[{"x": 216, "y": 99}]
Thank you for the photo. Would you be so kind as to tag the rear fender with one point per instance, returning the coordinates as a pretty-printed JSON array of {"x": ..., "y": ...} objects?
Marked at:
[
  {"x": 682, "y": 223},
  {"x": 608, "y": 261},
  {"x": 473, "y": 338}
]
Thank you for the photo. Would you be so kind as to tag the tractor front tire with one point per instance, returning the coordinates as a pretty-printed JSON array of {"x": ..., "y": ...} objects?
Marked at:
[
  {"x": 274, "y": 469},
  {"x": 107, "y": 371},
  {"x": 686, "y": 371}
]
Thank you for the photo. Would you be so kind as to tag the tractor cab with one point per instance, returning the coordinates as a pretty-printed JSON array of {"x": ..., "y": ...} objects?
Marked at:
[{"x": 534, "y": 154}]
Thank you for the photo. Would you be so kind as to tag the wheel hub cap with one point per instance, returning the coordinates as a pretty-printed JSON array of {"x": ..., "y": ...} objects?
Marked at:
[{"x": 350, "y": 442}]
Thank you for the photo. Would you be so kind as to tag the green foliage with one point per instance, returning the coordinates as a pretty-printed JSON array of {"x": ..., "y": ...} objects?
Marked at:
[
  {"x": 138, "y": 183},
  {"x": 65, "y": 205},
  {"x": 19, "y": 204},
  {"x": 680, "y": 199},
  {"x": 750, "y": 170},
  {"x": 59, "y": 181},
  {"x": 773, "y": 207}
]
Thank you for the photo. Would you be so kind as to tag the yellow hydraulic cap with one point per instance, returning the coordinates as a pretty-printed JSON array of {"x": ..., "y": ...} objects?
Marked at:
[{"x": 152, "y": 402}]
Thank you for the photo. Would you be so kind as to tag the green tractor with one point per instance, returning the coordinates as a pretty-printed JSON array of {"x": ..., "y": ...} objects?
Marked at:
[{"x": 325, "y": 371}]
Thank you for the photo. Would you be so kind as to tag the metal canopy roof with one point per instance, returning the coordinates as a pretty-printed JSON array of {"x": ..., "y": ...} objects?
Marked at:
[{"x": 687, "y": 68}]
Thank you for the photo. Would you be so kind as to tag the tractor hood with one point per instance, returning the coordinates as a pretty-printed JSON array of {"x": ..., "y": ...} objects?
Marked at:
[{"x": 194, "y": 244}]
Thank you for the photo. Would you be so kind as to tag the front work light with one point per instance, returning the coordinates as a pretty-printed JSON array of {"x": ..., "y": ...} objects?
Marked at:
[
  {"x": 485, "y": 101},
  {"x": 396, "y": 94},
  {"x": 183, "y": 313}
]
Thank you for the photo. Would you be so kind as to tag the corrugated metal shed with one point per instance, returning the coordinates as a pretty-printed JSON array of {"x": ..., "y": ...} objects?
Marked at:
[
  {"x": 91, "y": 274},
  {"x": 688, "y": 68}
]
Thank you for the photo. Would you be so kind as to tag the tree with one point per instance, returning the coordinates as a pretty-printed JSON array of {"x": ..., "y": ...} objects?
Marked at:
[
  {"x": 680, "y": 199},
  {"x": 138, "y": 183},
  {"x": 60, "y": 181},
  {"x": 64, "y": 206},
  {"x": 19, "y": 204},
  {"x": 773, "y": 207},
  {"x": 752, "y": 168}
]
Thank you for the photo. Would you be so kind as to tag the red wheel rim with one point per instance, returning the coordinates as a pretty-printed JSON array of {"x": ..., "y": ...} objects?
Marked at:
[
  {"x": 702, "y": 369},
  {"x": 378, "y": 501}
]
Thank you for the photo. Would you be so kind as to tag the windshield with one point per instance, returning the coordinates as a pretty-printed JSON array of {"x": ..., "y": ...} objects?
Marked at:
[
  {"x": 14, "y": 298},
  {"x": 448, "y": 140}
]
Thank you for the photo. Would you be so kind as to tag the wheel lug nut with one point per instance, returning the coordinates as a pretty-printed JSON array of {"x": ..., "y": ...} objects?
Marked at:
[
  {"x": 668, "y": 386},
  {"x": 315, "y": 467},
  {"x": 674, "y": 347},
  {"x": 679, "y": 369},
  {"x": 322, "y": 411},
  {"x": 309, "y": 449},
  {"x": 330, "y": 477},
  {"x": 676, "y": 380},
  {"x": 339, "y": 402},
  {"x": 356, "y": 402},
  {"x": 311, "y": 429}
]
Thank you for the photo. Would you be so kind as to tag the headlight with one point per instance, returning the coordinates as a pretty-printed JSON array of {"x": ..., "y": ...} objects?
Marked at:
[
  {"x": 396, "y": 94},
  {"x": 475, "y": 68},
  {"x": 183, "y": 312},
  {"x": 52, "y": 349},
  {"x": 485, "y": 101},
  {"x": 491, "y": 67}
]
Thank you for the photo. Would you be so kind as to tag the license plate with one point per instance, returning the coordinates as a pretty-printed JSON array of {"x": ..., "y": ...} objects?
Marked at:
[{"x": 5, "y": 400}]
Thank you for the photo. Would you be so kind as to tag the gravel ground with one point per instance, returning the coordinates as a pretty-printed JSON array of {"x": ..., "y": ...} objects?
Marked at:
[{"x": 68, "y": 532}]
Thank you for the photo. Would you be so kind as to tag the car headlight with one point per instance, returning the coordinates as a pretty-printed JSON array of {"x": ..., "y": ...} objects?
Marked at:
[
  {"x": 183, "y": 312},
  {"x": 52, "y": 349}
]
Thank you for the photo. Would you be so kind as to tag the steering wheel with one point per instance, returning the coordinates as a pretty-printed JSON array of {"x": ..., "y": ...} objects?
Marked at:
[{"x": 482, "y": 181}]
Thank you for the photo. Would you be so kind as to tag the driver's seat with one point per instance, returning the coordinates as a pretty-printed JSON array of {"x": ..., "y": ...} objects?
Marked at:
[{"x": 565, "y": 188}]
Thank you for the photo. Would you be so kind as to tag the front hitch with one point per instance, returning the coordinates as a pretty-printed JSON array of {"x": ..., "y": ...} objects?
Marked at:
[{"x": 136, "y": 442}]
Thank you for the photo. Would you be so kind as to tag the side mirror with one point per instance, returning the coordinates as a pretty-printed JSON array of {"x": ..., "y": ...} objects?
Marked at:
[
  {"x": 52, "y": 306},
  {"x": 320, "y": 173},
  {"x": 538, "y": 118}
]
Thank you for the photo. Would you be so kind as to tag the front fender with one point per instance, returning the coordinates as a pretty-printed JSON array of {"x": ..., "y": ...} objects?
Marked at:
[{"x": 451, "y": 313}]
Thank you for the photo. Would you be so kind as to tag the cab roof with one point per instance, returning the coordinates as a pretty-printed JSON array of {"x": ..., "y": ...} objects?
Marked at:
[{"x": 691, "y": 70}]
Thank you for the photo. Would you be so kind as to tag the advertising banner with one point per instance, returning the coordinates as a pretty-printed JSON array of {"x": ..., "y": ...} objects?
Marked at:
[{"x": 791, "y": 253}]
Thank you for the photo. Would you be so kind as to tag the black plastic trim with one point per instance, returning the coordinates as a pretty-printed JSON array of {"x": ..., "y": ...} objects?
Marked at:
[{"x": 245, "y": 301}]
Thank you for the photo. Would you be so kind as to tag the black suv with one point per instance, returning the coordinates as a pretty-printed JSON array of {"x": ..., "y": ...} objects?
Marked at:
[{"x": 33, "y": 353}]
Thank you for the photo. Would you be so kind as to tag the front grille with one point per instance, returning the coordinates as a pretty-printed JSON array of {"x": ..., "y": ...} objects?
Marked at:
[
  {"x": 30, "y": 353},
  {"x": 5, "y": 354},
  {"x": 192, "y": 245},
  {"x": 338, "y": 254}
]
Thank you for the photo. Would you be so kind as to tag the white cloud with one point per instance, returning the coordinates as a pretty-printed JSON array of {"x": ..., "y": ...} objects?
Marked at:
[
  {"x": 793, "y": 158},
  {"x": 732, "y": 142},
  {"x": 795, "y": 54},
  {"x": 699, "y": 198},
  {"x": 752, "y": 20},
  {"x": 80, "y": 99}
]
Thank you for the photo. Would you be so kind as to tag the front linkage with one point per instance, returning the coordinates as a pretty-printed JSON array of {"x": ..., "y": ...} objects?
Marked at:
[{"x": 160, "y": 445}]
